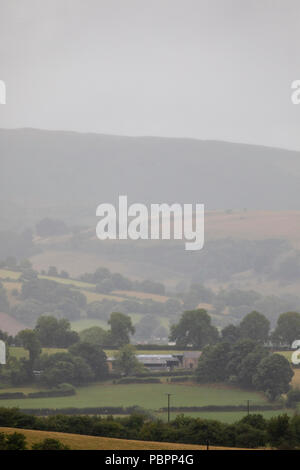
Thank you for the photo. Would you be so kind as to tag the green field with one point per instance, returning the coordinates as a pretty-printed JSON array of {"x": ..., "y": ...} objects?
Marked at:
[
  {"x": 6, "y": 274},
  {"x": 146, "y": 396},
  {"x": 97, "y": 297},
  {"x": 225, "y": 416},
  {"x": 19, "y": 352},
  {"x": 70, "y": 282}
]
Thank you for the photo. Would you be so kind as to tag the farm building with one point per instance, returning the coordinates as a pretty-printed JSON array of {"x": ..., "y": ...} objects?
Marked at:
[
  {"x": 190, "y": 359},
  {"x": 159, "y": 361},
  {"x": 187, "y": 360}
]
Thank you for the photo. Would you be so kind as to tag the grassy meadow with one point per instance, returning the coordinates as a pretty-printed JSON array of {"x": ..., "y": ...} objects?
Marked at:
[{"x": 147, "y": 396}]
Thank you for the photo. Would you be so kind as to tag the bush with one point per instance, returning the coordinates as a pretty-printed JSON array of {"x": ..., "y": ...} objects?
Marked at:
[
  {"x": 15, "y": 441},
  {"x": 5, "y": 395},
  {"x": 139, "y": 380},
  {"x": 293, "y": 398},
  {"x": 50, "y": 444},
  {"x": 62, "y": 390},
  {"x": 185, "y": 378}
]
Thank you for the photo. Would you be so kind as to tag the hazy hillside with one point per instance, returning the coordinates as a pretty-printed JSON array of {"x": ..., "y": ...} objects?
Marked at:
[
  {"x": 73, "y": 173},
  {"x": 66, "y": 175}
]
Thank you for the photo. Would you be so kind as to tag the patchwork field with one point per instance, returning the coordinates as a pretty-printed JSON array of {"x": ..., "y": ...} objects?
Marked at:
[
  {"x": 70, "y": 282},
  {"x": 142, "y": 295},
  {"x": 85, "y": 287},
  {"x": 77, "y": 263},
  {"x": 97, "y": 297}
]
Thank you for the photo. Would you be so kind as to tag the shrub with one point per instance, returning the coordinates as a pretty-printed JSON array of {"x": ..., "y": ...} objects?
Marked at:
[
  {"x": 62, "y": 390},
  {"x": 139, "y": 380},
  {"x": 5, "y": 395},
  {"x": 50, "y": 444},
  {"x": 293, "y": 398},
  {"x": 15, "y": 441},
  {"x": 186, "y": 378}
]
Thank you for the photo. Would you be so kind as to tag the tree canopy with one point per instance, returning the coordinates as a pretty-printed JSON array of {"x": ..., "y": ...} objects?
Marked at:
[{"x": 194, "y": 329}]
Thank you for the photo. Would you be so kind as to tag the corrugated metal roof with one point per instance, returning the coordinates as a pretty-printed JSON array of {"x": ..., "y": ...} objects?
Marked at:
[
  {"x": 152, "y": 360},
  {"x": 157, "y": 356},
  {"x": 192, "y": 354}
]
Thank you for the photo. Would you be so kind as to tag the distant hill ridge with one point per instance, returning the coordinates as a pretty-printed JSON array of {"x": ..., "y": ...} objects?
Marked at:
[{"x": 56, "y": 168}]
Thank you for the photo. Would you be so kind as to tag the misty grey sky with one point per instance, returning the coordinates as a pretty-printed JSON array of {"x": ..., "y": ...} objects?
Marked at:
[{"x": 209, "y": 69}]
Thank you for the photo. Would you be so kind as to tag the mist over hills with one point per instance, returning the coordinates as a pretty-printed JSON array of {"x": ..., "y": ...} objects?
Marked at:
[
  {"x": 65, "y": 169},
  {"x": 65, "y": 175}
]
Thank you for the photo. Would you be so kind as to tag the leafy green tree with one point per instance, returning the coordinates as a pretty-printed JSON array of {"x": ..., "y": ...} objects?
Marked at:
[
  {"x": 126, "y": 361},
  {"x": 6, "y": 338},
  {"x": 18, "y": 371},
  {"x": 249, "y": 366},
  {"x": 247, "y": 436},
  {"x": 120, "y": 329},
  {"x": 237, "y": 354},
  {"x": 293, "y": 398},
  {"x": 146, "y": 327},
  {"x": 288, "y": 328},
  {"x": 273, "y": 375},
  {"x": 94, "y": 356},
  {"x": 55, "y": 333},
  {"x": 94, "y": 335},
  {"x": 231, "y": 334},
  {"x": 194, "y": 329},
  {"x": 280, "y": 434},
  {"x": 295, "y": 429},
  {"x": 255, "y": 326},
  {"x": 212, "y": 363},
  {"x": 29, "y": 340},
  {"x": 257, "y": 421},
  {"x": 61, "y": 371},
  {"x": 64, "y": 367}
]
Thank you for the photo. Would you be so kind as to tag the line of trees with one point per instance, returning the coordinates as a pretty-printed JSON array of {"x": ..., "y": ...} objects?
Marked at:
[
  {"x": 252, "y": 431},
  {"x": 195, "y": 329}
]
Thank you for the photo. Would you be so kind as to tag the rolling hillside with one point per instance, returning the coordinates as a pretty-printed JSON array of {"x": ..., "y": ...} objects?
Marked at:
[
  {"x": 71, "y": 173},
  {"x": 81, "y": 442}
]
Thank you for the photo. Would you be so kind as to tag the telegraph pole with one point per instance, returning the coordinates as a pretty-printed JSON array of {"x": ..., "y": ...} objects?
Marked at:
[
  {"x": 248, "y": 407},
  {"x": 169, "y": 395}
]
